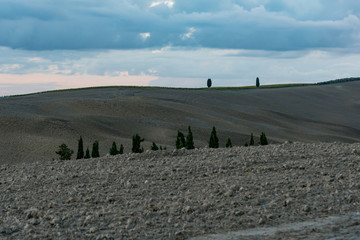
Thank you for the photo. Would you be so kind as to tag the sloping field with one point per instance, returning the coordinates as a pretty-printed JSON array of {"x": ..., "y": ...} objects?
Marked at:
[{"x": 33, "y": 126}]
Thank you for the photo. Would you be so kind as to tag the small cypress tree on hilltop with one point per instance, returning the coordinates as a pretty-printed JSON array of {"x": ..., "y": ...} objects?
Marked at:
[
  {"x": 189, "y": 140},
  {"x": 87, "y": 154},
  {"x": 209, "y": 83},
  {"x": 80, "y": 152},
  {"x": 136, "y": 142},
  {"x": 214, "y": 140},
  {"x": 95, "y": 150},
  {"x": 229, "y": 143},
  {"x": 113, "y": 150},
  {"x": 252, "y": 142},
  {"x": 257, "y": 82},
  {"x": 121, "y": 150},
  {"x": 180, "y": 140},
  {"x": 263, "y": 139},
  {"x": 64, "y": 152}
]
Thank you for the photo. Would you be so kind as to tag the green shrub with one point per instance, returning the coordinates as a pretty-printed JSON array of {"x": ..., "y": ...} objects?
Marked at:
[
  {"x": 87, "y": 154},
  {"x": 121, "y": 150},
  {"x": 136, "y": 142},
  {"x": 180, "y": 140},
  {"x": 113, "y": 150},
  {"x": 64, "y": 152},
  {"x": 214, "y": 140},
  {"x": 229, "y": 143},
  {"x": 80, "y": 152},
  {"x": 189, "y": 140},
  {"x": 95, "y": 150},
  {"x": 154, "y": 147},
  {"x": 252, "y": 142},
  {"x": 263, "y": 139}
]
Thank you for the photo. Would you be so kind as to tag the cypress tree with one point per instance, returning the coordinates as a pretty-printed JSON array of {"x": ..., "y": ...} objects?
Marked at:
[
  {"x": 80, "y": 152},
  {"x": 229, "y": 143},
  {"x": 87, "y": 154},
  {"x": 214, "y": 140},
  {"x": 113, "y": 150},
  {"x": 180, "y": 140},
  {"x": 189, "y": 140},
  {"x": 64, "y": 152},
  {"x": 136, "y": 142},
  {"x": 263, "y": 139},
  {"x": 95, "y": 150},
  {"x": 121, "y": 150},
  {"x": 257, "y": 82},
  {"x": 154, "y": 147},
  {"x": 252, "y": 142},
  {"x": 209, "y": 83}
]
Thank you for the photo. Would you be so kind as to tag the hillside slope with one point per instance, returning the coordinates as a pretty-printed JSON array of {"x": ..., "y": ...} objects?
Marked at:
[{"x": 33, "y": 126}]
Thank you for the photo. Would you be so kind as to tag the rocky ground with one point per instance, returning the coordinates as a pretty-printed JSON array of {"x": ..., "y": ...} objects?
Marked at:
[{"x": 187, "y": 194}]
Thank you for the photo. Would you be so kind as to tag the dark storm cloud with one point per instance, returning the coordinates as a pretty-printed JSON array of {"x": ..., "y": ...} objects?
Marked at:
[{"x": 228, "y": 24}]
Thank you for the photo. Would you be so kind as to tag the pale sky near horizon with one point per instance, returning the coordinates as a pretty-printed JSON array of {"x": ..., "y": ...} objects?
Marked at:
[{"x": 47, "y": 45}]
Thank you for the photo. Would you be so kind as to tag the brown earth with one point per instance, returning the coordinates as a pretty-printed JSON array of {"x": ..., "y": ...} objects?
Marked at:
[
  {"x": 279, "y": 191},
  {"x": 33, "y": 126}
]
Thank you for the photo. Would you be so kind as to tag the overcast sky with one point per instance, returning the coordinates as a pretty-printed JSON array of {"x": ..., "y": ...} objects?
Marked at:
[{"x": 48, "y": 45}]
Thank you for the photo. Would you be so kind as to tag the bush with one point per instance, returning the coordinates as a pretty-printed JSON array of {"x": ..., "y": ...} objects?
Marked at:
[
  {"x": 80, "y": 152},
  {"x": 87, "y": 154},
  {"x": 95, "y": 150},
  {"x": 252, "y": 142},
  {"x": 214, "y": 140},
  {"x": 180, "y": 140},
  {"x": 154, "y": 147},
  {"x": 136, "y": 142},
  {"x": 121, "y": 150},
  {"x": 189, "y": 140},
  {"x": 113, "y": 150},
  {"x": 263, "y": 139},
  {"x": 64, "y": 152},
  {"x": 229, "y": 143}
]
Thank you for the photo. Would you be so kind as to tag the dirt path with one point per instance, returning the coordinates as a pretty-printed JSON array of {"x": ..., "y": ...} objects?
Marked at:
[{"x": 186, "y": 194}]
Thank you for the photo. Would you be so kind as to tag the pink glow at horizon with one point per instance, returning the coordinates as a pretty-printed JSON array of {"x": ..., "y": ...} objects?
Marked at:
[{"x": 39, "y": 82}]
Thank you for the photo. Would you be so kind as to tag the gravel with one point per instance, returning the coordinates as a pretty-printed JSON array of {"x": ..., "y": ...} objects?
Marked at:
[{"x": 184, "y": 194}]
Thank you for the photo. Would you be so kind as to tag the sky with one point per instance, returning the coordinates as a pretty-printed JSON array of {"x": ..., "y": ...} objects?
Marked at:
[{"x": 48, "y": 45}]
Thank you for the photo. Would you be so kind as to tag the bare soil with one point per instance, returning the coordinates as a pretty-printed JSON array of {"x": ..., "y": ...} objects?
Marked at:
[
  {"x": 32, "y": 127},
  {"x": 187, "y": 194}
]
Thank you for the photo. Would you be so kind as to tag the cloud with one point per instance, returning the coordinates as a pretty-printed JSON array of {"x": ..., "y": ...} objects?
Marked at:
[{"x": 229, "y": 24}]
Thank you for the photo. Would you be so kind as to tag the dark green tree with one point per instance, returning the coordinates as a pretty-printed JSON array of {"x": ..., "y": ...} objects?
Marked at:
[
  {"x": 189, "y": 140},
  {"x": 95, "y": 150},
  {"x": 214, "y": 140},
  {"x": 87, "y": 154},
  {"x": 257, "y": 82},
  {"x": 209, "y": 83},
  {"x": 64, "y": 152},
  {"x": 121, "y": 150},
  {"x": 229, "y": 143},
  {"x": 113, "y": 150},
  {"x": 263, "y": 139},
  {"x": 246, "y": 144},
  {"x": 154, "y": 147},
  {"x": 136, "y": 144},
  {"x": 252, "y": 142},
  {"x": 80, "y": 152},
  {"x": 180, "y": 140}
]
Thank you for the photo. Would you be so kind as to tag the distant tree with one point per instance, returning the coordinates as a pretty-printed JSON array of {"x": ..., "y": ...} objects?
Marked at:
[
  {"x": 214, "y": 140},
  {"x": 113, "y": 150},
  {"x": 263, "y": 139},
  {"x": 229, "y": 143},
  {"x": 154, "y": 147},
  {"x": 80, "y": 152},
  {"x": 252, "y": 142},
  {"x": 121, "y": 150},
  {"x": 64, "y": 152},
  {"x": 136, "y": 144},
  {"x": 257, "y": 82},
  {"x": 246, "y": 144},
  {"x": 95, "y": 150},
  {"x": 189, "y": 140},
  {"x": 209, "y": 83},
  {"x": 87, "y": 154},
  {"x": 180, "y": 140}
]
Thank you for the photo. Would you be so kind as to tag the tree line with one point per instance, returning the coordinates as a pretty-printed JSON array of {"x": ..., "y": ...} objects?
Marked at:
[{"x": 187, "y": 142}]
